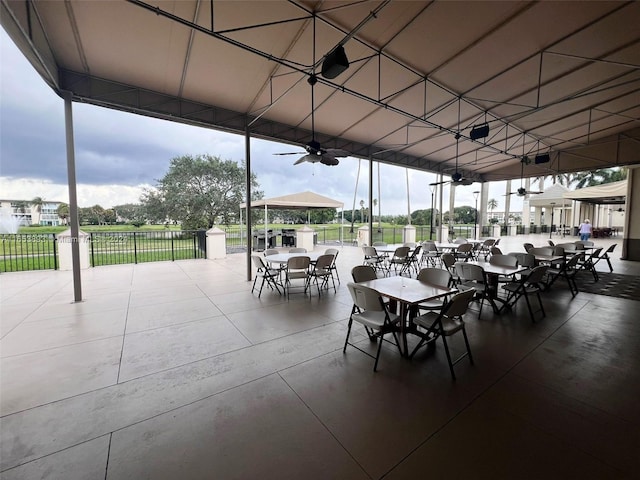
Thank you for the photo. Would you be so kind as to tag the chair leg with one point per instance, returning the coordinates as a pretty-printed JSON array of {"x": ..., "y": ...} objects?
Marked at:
[
  {"x": 446, "y": 350},
  {"x": 375, "y": 365},
  {"x": 544, "y": 314},
  {"x": 466, "y": 342}
]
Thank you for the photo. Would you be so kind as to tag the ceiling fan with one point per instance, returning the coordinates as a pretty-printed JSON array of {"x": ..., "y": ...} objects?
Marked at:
[
  {"x": 522, "y": 192},
  {"x": 456, "y": 178},
  {"x": 314, "y": 151}
]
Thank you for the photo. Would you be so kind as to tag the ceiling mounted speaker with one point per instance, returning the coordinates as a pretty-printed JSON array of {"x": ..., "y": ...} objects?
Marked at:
[
  {"x": 335, "y": 63},
  {"x": 544, "y": 158},
  {"x": 480, "y": 131}
]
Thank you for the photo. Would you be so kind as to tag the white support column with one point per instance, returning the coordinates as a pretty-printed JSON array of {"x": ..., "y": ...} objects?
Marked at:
[
  {"x": 74, "y": 223},
  {"x": 216, "y": 243}
]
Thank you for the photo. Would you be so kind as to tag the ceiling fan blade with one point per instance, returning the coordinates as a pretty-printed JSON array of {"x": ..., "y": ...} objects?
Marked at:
[
  {"x": 290, "y": 153},
  {"x": 439, "y": 183},
  {"x": 309, "y": 157}
]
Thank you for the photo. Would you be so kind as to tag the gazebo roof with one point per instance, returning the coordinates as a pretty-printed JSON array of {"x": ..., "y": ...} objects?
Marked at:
[
  {"x": 296, "y": 201},
  {"x": 554, "y": 194}
]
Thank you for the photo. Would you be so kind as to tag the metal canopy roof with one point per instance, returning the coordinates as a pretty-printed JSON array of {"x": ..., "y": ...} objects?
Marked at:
[{"x": 547, "y": 77}]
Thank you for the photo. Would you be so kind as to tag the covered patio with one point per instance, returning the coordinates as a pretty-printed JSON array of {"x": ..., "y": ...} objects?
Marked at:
[{"x": 175, "y": 370}]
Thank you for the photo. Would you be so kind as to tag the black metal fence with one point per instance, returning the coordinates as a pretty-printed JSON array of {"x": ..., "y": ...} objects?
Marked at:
[
  {"x": 22, "y": 252},
  {"x": 115, "y": 248}
]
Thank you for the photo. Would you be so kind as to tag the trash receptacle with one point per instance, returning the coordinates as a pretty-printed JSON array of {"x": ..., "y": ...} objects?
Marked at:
[{"x": 576, "y": 231}]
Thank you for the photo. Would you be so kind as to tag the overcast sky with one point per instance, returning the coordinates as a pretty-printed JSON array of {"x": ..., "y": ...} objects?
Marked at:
[{"x": 118, "y": 154}]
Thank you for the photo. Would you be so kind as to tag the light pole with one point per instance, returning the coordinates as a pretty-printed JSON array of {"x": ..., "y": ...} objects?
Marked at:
[
  {"x": 433, "y": 191},
  {"x": 475, "y": 225},
  {"x": 551, "y": 226}
]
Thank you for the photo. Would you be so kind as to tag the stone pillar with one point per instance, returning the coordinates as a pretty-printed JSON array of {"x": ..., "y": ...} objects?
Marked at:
[
  {"x": 363, "y": 235},
  {"x": 444, "y": 233},
  {"x": 216, "y": 243},
  {"x": 304, "y": 238},
  {"x": 495, "y": 230},
  {"x": 409, "y": 234},
  {"x": 65, "y": 240},
  {"x": 512, "y": 230}
]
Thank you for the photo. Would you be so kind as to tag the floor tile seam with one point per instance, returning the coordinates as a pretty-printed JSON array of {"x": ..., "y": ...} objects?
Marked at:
[
  {"x": 76, "y": 314},
  {"x": 325, "y": 426},
  {"x": 63, "y": 346},
  {"x": 106, "y": 467},
  {"x": 18, "y": 465},
  {"x": 234, "y": 350},
  {"x": 124, "y": 337},
  {"x": 185, "y": 322}
]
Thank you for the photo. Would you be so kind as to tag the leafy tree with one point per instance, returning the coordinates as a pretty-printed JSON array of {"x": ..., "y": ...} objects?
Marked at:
[
  {"x": 599, "y": 177},
  {"x": 63, "y": 213},
  {"x": 37, "y": 202},
  {"x": 200, "y": 191},
  {"x": 129, "y": 213}
]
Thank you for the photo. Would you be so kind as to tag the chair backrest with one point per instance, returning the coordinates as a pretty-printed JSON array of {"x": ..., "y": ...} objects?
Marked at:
[
  {"x": 459, "y": 303},
  {"x": 435, "y": 276},
  {"x": 496, "y": 251},
  {"x": 524, "y": 259},
  {"x": 369, "y": 252},
  {"x": 595, "y": 253},
  {"x": 332, "y": 251},
  {"x": 324, "y": 262},
  {"x": 611, "y": 248},
  {"x": 568, "y": 247},
  {"x": 497, "y": 242},
  {"x": 504, "y": 260},
  {"x": 489, "y": 242},
  {"x": 365, "y": 298},
  {"x": 573, "y": 261},
  {"x": 298, "y": 263},
  {"x": 537, "y": 274},
  {"x": 363, "y": 273},
  {"x": 558, "y": 250},
  {"x": 461, "y": 240},
  {"x": 431, "y": 246},
  {"x": 271, "y": 251},
  {"x": 416, "y": 252},
  {"x": 465, "y": 247},
  {"x": 470, "y": 272},
  {"x": 258, "y": 263},
  {"x": 401, "y": 252},
  {"x": 449, "y": 260},
  {"x": 297, "y": 250},
  {"x": 527, "y": 246}
]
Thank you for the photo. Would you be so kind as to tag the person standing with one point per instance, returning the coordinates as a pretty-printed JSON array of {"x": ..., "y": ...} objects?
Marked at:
[{"x": 585, "y": 230}]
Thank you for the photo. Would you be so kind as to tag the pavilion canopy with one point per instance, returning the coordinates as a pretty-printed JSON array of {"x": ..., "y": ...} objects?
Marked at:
[
  {"x": 609, "y": 193},
  {"x": 296, "y": 201},
  {"x": 555, "y": 194}
]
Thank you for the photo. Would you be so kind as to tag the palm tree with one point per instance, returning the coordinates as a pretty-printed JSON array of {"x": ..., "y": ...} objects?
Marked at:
[
  {"x": 63, "y": 212},
  {"x": 37, "y": 202},
  {"x": 491, "y": 204},
  {"x": 600, "y": 176}
]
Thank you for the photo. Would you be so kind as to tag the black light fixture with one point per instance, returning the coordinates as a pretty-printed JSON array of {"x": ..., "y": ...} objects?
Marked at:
[
  {"x": 542, "y": 158},
  {"x": 335, "y": 63},
  {"x": 479, "y": 131}
]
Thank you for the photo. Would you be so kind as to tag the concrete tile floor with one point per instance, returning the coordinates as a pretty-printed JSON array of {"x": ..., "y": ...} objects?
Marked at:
[{"x": 175, "y": 370}]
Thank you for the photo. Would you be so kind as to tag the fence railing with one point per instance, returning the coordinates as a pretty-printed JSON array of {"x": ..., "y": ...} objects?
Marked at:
[
  {"x": 22, "y": 252},
  {"x": 116, "y": 248}
]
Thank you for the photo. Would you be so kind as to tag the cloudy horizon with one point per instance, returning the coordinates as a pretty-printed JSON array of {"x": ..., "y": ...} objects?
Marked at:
[{"x": 119, "y": 154}]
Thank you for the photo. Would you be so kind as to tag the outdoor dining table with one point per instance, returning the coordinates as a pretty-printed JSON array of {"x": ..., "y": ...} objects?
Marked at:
[
  {"x": 284, "y": 257},
  {"x": 494, "y": 272},
  {"x": 407, "y": 292},
  {"x": 447, "y": 246}
]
